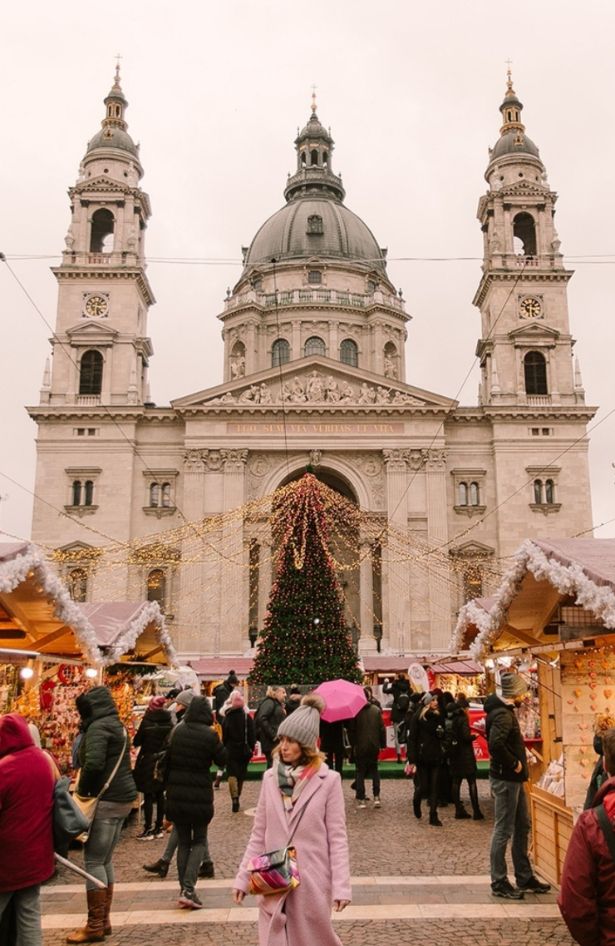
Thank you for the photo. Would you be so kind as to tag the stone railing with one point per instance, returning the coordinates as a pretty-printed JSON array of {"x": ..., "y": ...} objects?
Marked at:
[
  {"x": 88, "y": 400},
  {"x": 314, "y": 297},
  {"x": 538, "y": 400}
]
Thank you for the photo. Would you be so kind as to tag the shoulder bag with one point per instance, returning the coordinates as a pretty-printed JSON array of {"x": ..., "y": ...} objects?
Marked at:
[
  {"x": 88, "y": 806},
  {"x": 67, "y": 818},
  {"x": 605, "y": 824},
  {"x": 247, "y": 751},
  {"x": 276, "y": 871}
]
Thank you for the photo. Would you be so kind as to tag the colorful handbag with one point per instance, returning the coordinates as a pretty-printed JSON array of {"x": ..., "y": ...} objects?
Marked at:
[{"x": 276, "y": 871}]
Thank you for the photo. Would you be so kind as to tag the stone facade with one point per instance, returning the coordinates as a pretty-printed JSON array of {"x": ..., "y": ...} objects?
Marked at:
[{"x": 314, "y": 373}]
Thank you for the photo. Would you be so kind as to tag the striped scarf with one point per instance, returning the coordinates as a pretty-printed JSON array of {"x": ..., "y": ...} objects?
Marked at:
[{"x": 291, "y": 782}]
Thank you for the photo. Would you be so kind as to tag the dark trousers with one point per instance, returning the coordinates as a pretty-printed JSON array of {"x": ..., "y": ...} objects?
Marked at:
[
  {"x": 473, "y": 790},
  {"x": 148, "y": 808},
  {"x": 428, "y": 784},
  {"x": 192, "y": 839},
  {"x": 365, "y": 770},
  {"x": 335, "y": 760}
]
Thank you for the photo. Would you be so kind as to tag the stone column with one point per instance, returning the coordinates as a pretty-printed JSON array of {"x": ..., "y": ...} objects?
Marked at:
[
  {"x": 440, "y": 614},
  {"x": 396, "y": 600},
  {"x": 295, "y": 341},
  {"x": 252, "y": 362},
  {"x": 234, "y": 587},
  {"x": 367, "y": 595},
  {"x": 190, "y": 619}
]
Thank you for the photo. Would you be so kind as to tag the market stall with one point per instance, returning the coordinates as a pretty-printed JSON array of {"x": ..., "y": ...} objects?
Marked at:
[{"x": 554, "y": 615}]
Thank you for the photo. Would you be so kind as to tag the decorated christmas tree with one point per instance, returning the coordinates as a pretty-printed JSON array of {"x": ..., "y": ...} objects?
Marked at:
[{"x": 305, "y": 638}]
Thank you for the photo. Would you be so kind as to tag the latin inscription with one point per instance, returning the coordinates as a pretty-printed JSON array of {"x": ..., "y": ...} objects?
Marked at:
[{"x": 314, "y": 428}]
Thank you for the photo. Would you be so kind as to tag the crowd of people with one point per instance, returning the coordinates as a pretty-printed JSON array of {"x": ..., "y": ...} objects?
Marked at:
[{"x": 184, "y": 738}]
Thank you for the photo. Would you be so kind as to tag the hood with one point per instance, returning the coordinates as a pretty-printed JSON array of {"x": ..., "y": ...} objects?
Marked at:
[
  {"x": 494, "y": 702},
  {"x": 158, "y": 716},
  {"x": 598, "y": 743},
  {"x": 14, "y": 734},
  {"x": 96, "y": 703},
  {"x": 605, "y": 789},
  {"x": 199, "y": 711}
]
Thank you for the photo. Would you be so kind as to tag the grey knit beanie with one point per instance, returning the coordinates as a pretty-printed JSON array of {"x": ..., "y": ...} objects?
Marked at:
[
  {"x": 427, "y": 698},
  {"x": 303, "y": 725},
  {"x": 185, "y": 697},
  {"x": 511, "y": 685}
]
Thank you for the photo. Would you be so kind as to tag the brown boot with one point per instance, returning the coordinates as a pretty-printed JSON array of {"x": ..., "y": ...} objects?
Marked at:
[
  {"x": 94, "y": 929},
  {"x": 107, "y": 914}
]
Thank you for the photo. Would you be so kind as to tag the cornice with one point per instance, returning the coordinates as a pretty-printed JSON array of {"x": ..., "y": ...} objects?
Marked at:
[
  {"x": 91, "y": 270},
  {"x": 319, "y": 409},
  {"x": 488, "y": 412},
  {"x": 522, "y": 277},
  {"x": 325, "y": 307},
  {"x": 109, "y": 413}
]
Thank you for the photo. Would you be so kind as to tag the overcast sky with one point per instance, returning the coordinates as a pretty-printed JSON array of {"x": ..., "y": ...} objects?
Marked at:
[{"x": 216, "y": 91}]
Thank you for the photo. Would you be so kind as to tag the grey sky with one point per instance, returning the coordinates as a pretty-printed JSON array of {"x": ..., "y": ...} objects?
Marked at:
[{"x": 216, "y": 91}]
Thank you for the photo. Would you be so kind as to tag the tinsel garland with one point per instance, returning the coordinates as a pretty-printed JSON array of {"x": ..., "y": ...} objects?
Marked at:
[
  {"x": 568, "y": 578},
  {"x": 149, "y": 614}
]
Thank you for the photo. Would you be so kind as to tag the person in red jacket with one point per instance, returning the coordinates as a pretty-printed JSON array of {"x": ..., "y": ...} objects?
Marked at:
[
  {"x": 26, "y": 829},
  {"x": 587, "y": 893}
]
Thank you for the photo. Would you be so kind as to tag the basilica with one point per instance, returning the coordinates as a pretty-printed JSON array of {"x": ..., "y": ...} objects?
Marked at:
[{"x": 172, "y": 503}]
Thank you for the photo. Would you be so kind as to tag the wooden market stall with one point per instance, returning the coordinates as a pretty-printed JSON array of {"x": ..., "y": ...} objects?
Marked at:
[
  {"x": 132, "y": 633},
  {"x": 555, "y": 609}
]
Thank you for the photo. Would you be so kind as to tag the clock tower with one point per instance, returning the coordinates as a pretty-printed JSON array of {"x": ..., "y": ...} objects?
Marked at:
[
  {"x": 526, "y": 348},
  {"x": 101, "y": 349}
]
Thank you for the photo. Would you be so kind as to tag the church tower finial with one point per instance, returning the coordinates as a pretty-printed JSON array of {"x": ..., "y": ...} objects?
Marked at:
[
  {"x": 314, "y": 146},
  {"x": 313, "y": 106}
]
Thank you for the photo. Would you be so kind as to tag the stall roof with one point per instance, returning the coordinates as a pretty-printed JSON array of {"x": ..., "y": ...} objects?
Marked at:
[
  {"x": 543, "y": 573},
  {"x": 36, "y": 610},
  {"x": 217, "y": 668},
  {"x": 132, "y": 632}
]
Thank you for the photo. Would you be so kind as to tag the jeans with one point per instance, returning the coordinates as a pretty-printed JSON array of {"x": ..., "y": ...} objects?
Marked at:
[
  {"x": 192, "y": 840},
  {"x": 512, "y": 820},
  {"x": 99, "y": 848},
  {"x": 367, "y": 770},
  {"x": 171, "y": 847},
  {"x": 27, "y": 906}
]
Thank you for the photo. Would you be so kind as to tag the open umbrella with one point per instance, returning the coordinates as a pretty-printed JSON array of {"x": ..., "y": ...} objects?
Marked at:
[{"x": 343, "y": 699}]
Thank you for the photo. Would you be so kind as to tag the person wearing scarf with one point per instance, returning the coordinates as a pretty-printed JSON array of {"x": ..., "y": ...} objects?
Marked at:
[{"x": 301, "y": 793}]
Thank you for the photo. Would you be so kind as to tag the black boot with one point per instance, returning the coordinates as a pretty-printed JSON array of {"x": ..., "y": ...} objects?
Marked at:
[
  {"x": 416, "y": 805},
  {"x": 160, "y": 867},
  {"x": 478, "y": 815},
  {"x": 433, "y": 819},
  {"x": 206, "y": 869},
  {"x": 460, "y": 812}
]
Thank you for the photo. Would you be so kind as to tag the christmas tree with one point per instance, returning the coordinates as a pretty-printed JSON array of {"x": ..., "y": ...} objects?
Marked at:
[{"x": 305, "y": 638}]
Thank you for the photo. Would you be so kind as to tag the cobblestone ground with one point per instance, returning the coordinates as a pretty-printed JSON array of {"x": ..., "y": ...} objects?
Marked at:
[{"x": 385, "y": 843}]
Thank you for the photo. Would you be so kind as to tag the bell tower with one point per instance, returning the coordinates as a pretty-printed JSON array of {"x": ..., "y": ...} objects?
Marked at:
[
  {"x": 101, "y": 349},
  {"x": 525, "y": 348}
]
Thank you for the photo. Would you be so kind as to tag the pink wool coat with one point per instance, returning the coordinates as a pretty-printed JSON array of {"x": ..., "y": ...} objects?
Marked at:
[{"x": 303, "y": 917}]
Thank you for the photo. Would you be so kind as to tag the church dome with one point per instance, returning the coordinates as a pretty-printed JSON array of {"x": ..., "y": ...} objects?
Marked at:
[
  {"x": 514, "y": 142},
  {"x": 314, "y": 226},
  {"x": 112, "y": 138},
  {"x": 113, "y": 132}
]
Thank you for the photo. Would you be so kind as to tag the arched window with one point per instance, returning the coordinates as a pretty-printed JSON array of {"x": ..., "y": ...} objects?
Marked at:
[
  {"x": 474, "y": 494},
  {"x": 88, "y": 493},
  {"x": 154, "y": 494},
  {"x": 325, "y": 158},
  {"x": 76, "y": 493},
  {"x": 101, "y": 239},
  {"x": 77, "y": 581},
  {"x": 315, "y": 277},
  {"x": 462, "y": 497},
  {"x": 303, "y": 159},
  {"x": 524, "y": 235},
  {"x": 280, "y": 352},
  {"x": 314, "y": 223},
  {"x": 90, "y": 372},
  {"x": 314, "y": 156},
  {"x": 156, "y": 586},
  {"x": 314, "y": 346},
  {"x": 535, "y": 369},
  {"x": 538, "y": 492},
  {"x": 549, "y": 491},
  {"x": 349, "y": 352},
  {"x": 166, "y": 495}
]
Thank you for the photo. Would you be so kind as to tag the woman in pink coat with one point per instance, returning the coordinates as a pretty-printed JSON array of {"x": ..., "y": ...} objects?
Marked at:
[{"x": 301, "y": 794}]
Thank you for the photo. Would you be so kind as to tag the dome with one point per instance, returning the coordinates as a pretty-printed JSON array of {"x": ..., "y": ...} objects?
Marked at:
[
  {"x": 337, "y": 234},
  {"x": 110, "y": 137},
  {"x": 514, "y": 142}
]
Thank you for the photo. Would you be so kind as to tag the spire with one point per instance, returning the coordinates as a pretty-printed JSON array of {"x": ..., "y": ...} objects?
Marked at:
[
  {"x": 511, "y": 107},
  {"x": 512, "y": 140},
  {"x": 113, "y": 133},
  {"x": 314, "y": 147},
  {"x": 116, "y": 104}
]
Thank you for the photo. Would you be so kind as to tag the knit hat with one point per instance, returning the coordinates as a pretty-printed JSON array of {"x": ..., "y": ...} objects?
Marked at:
[
  {"x": 511, "y": 685},
  {"x": 156, "y": 702},
  {"x": 184, "y": 698},
  {"x": 304, "y": 724},
  {"x": 428, "y": 697},
  {"x": 236, "y": 698}
]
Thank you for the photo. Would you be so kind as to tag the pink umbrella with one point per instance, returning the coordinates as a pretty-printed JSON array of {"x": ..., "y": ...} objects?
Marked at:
[{"x": 343, "y": 699}]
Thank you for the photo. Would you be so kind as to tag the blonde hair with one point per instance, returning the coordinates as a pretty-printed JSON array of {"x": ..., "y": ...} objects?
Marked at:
[{"x": 310, "y": 756}]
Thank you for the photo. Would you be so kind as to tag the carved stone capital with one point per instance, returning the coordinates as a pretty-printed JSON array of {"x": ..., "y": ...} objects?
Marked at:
[
  {"x": 193, "y": 461},
  {"x": 234, "y": 460},
  {"x": 315, "y": 457},
  {"x": 395, "y": 459},
  {"x": 436, "y": 459}
]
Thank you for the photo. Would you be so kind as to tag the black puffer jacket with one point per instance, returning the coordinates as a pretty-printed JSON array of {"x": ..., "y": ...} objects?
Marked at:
[
  {"x": 367, "y": 734},
  {"x": 237, "y": 732},
  {"x": 100, "y": 748},
  {"x": 192, "y": 748},
  {"x": 268, "y": 718},
  {"x": 459, "y": 743},
  {"x": 506, "y": 746},
  {"x": 150, "y": 737},
  {"x": 425, "y": 739}
]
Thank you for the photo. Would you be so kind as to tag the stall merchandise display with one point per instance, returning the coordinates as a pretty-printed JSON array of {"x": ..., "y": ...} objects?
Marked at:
[
  {"x": 553, "y": 779},
  {"x": 9, "y": 685}
]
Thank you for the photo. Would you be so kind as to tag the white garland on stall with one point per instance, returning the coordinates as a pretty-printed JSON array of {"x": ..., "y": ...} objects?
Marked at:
[
  {"x": 149, "y": 614},
  {"x": 569, "y": 579},
  {"x": 14, "y": 572}
]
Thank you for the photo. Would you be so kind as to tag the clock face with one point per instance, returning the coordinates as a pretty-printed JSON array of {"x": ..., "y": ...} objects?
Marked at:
[
  {"x": 96, "y": 306},
  {"x": 530, "y": 308}
]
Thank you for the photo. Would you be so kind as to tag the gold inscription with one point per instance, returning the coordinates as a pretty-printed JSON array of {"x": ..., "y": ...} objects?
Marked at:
[{"x": 315, "y": 428}]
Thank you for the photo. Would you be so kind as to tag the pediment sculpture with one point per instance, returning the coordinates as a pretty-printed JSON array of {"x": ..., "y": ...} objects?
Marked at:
[{"x": 316, "y": 388}]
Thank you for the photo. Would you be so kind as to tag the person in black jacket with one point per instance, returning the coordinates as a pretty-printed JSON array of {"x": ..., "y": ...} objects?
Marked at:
[
  {"x": 239, "y": 741},
  {"x": 192, "y": 748},
  {"x": 223, "y": 691},
  {"x": 598, "y": 775},
  {"x": 149, "y": 739},
  {"x": 459, "y": 742},
  {"x": 268, "y": 717},
  {"x": 400, "y": 690},
  {"x": 507, "y": 772},
  {"x": 367, "y": 737},
  {"x": 426, "y": 751},
  {"x": 105, "y": 741}
]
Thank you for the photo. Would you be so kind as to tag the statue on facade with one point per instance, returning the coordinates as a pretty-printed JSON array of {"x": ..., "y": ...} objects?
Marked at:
[
  {"x": 333, "y": 391},
  {"x": 382, "y": 395},
  {"x": 252, "y": 394},
  {"x": 265, "y": 395},
  {"x": 346, "y": 392},
  {"x": 314, "y": 389},
  {"x": 238, "y": 366},
  {"x": 367, "y": 394},
  {"x": 390, "y": 368}
]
